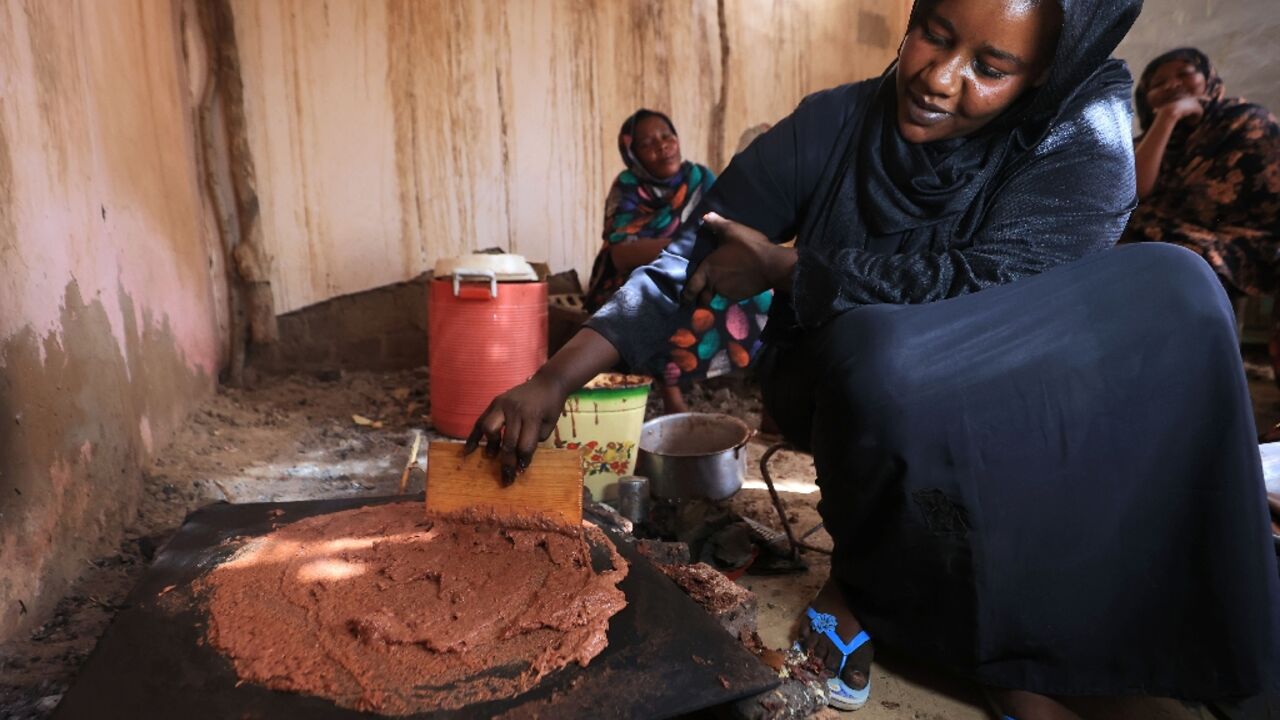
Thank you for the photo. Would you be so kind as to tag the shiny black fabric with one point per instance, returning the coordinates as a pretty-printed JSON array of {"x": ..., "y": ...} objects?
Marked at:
[{"x": 1052, "y": 485}]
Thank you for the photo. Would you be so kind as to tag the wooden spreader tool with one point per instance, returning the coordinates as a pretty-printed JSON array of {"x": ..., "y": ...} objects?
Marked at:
[{"x": 551, "y": 485}]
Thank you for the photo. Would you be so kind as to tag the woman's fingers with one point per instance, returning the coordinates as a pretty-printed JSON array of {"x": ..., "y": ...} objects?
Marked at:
[
  {"x": 489, "y": 422},
  {"x": 493, "y": 443},
  {"x": 696, "y": 283},
  {"x": 729, "y": 231},
  {"x": 473, "y": 440},
  {"x": 514, "y": 423},
  {"x": 510, "y": 435},
  {"x": 494, "y": 423},
  {"x": 527, "y": 442},
  {"x": 716, "y": 222}
]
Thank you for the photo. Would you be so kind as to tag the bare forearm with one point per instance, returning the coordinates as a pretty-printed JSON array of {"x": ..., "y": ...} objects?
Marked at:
[
  {"x": 628, "y": 256},
  {"x": 783, "y": 269},
  {"x": 1149, "y": 154},
  {"x": 587, "y": 354}
]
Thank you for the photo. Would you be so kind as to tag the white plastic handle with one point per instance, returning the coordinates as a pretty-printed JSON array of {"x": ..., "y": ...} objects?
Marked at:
[{"x": 489, "y": 274}]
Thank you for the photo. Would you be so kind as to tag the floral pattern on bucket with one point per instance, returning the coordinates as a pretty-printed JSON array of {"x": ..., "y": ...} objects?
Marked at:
[
  {"x": 612, "y": 457},
  {"x": 603, "y": 421}
]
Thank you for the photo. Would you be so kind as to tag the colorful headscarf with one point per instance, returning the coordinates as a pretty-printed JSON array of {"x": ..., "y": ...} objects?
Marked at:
[
  {"x": 1212, "y": 83},
  {"x": 642, "y": 206}
]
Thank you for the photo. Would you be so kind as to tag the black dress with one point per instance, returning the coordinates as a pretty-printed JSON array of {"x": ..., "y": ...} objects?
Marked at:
[
  {"x": 1051, "y": 485},
  {"x": 1036, "y": 453}
]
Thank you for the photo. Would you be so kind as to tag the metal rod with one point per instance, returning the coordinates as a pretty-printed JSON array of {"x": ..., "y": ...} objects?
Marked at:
[
  {"x": 796, "y": 545},
  {"x": 777, "y": 500},
  {"x": 811, "y": 531}
]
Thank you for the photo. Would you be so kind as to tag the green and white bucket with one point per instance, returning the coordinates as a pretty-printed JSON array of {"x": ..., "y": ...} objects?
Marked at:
[{"x": 604, "y": 420}]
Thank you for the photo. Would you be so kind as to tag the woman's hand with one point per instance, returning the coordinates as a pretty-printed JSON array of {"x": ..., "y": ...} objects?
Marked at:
[
  {"x": 1181, "y": 108},
  {"x": 520, "y": 417},
  {"x": 516, "y": 421},
  {"x": 1148, "y": 154},
  {"x": 744, "y": 264}
]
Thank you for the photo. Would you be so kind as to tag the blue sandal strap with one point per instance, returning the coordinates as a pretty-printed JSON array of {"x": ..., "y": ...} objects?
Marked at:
[{"x": 825, "y": 623}]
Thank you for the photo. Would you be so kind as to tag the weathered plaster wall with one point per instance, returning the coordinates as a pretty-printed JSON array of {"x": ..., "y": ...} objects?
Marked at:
[
  {"x": 1239, "y": 36},
  {"x": 108, "y": 332},
  {"x": 387, "y": 133}
]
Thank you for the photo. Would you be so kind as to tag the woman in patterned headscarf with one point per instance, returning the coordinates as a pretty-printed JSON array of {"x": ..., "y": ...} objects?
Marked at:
[
  {"x": 651, "y": 204},
  {"x": 1208, "y": 171}
]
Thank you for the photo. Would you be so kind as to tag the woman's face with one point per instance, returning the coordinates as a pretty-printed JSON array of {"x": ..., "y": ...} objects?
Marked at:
[
  {"x": 967, "y": 61},
  {"x": 1174, "y": 80},
  {"x": 656, "y": 146}
]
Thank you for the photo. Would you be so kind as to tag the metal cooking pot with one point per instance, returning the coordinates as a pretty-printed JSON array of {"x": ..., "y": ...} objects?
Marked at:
[{"x": 694, "y": 455}]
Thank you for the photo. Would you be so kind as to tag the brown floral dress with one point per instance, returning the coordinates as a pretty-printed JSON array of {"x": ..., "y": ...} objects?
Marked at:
[{"x": 1218, "y": 191}]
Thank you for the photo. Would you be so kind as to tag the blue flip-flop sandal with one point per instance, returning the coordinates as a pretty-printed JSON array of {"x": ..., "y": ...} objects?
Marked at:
[{"x": 843, "y": 697}]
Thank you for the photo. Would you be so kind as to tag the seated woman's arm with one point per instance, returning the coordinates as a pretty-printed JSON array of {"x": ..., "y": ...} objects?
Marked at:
[
  {"x": 1148, "y": 154},
  {"x": 1072, "y": 199},
  {"x": 627, "y": 256}
]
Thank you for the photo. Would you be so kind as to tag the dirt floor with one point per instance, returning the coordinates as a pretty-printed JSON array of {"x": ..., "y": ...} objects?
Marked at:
[{"x": 340, "y": 435}]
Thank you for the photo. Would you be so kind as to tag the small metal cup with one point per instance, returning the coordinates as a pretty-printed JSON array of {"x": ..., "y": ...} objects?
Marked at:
[{"x": 633, "y": 498}]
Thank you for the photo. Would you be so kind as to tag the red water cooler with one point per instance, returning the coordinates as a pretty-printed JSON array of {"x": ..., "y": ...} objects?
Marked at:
[{"x": 487, "y": 333}]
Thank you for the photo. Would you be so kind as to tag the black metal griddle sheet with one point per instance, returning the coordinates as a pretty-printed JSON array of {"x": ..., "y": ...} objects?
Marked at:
[{"x": 154, "y": 663}]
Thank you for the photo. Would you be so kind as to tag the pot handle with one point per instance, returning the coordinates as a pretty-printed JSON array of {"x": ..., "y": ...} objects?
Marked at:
[
  {"x": 490, "y": 275},
  {"x": 737, "y": 448}
]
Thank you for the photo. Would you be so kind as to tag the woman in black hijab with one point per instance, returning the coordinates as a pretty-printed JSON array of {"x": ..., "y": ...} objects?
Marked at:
[{"x": 1037, "y": 459}]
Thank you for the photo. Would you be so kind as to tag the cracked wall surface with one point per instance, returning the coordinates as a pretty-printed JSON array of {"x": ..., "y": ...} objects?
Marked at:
[{"x": 108, "y": 334}]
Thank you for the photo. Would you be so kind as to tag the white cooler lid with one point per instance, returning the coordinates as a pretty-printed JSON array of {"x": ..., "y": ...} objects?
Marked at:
[{"x": 506, "y": 268}]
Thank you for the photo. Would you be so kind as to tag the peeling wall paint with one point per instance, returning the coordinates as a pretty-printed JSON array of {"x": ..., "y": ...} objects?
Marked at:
[
  {"x": 388, "y": 133},
  {"x": 108, "y": 333},
  {"x": 1239, "y": 36}
]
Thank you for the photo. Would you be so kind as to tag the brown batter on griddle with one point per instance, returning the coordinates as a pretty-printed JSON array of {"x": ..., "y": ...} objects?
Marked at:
[{"x": 383, "y": 609}]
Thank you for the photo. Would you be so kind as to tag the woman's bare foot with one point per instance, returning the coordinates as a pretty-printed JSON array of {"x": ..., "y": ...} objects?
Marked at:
[
  {"x": 857, "y": 669},
  {"x": 1023, "y": 705},
  {"x": 673, "y": 400}
]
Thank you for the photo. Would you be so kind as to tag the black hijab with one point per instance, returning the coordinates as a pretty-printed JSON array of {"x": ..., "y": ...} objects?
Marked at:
[{"x": 904, "y": 185}]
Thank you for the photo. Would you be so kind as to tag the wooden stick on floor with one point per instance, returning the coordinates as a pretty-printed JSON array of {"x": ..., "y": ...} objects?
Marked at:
[{"x": 413, "y": 460}]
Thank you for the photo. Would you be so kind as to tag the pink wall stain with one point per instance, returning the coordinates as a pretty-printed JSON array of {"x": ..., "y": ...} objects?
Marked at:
[
  {"x": 104, "y": 184},
  {"x": 103, "y": 227}
]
